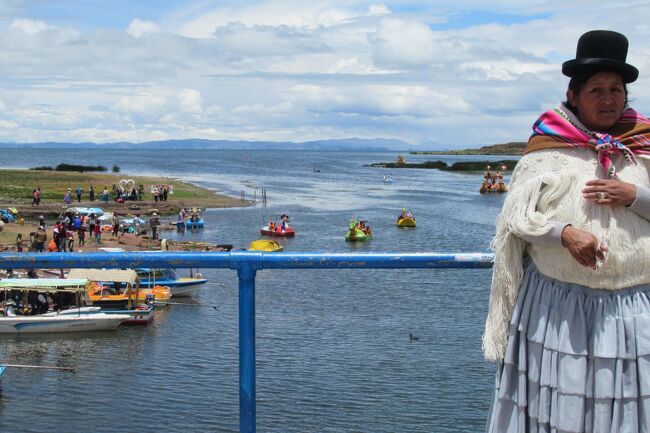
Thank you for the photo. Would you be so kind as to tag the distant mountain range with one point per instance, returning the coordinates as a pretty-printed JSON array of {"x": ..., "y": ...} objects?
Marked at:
[{"x": 377, "y": 144}]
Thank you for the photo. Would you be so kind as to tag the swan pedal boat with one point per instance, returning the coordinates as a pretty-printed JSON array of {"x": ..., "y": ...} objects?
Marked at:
[{"x": 357, "y": 235}]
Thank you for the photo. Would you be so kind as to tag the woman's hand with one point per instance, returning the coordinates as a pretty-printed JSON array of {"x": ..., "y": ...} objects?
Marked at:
[
  {"x": 583, "y": 246},
  {"x": 608, "y": 192}
]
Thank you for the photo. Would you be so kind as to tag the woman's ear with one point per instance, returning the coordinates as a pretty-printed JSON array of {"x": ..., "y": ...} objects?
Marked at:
[{"x": 570, "y": 97}]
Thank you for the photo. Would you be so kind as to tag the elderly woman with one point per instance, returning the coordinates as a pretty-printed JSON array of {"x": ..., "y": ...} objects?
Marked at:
[{"x": 569, "y": 314}]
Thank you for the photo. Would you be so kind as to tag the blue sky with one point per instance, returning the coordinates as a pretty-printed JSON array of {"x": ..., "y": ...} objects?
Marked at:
[{"x": 437, "y": 74}]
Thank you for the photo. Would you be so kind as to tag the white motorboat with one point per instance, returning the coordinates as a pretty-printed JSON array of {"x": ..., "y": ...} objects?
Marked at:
[{"x": 18, "y": 319}]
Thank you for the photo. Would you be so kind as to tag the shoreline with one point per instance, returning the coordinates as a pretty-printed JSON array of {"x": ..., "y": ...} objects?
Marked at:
[{"x": 16, "y": 187}]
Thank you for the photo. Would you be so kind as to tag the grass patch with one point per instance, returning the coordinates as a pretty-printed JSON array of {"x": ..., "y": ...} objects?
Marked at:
[{"x": 18, "y": 185}]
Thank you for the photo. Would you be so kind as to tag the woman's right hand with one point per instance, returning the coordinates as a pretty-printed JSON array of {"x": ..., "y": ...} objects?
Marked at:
[{"x": 583, "y": 246}]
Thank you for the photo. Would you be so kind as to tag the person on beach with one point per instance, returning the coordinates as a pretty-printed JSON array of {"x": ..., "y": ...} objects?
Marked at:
[
  {"x": 67, "y": 198},
  {"x": 97, "y": 232},
  {"x": 81, "y": 236},
  {"x": 569, "y": 313},
  {"x": 91, "y": 224},
  {"x": 154, "y": 222},
  {"x": 70, "y": 239},
  {"x": 115, "y": 222},
  {"x": 39, "y": 238},
  {"x": 91, "y": 193}
]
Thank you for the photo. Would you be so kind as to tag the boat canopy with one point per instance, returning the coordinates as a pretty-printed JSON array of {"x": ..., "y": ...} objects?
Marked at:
[
  {"x": 45, "y": 284},
  {"x": 127, "y": 276}
]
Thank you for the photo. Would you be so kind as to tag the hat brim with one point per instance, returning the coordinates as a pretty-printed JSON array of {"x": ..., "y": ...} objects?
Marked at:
[{"x": 575, "y": 67}]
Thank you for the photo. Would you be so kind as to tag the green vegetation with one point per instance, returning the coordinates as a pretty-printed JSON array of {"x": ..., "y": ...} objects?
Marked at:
[
  {"x": 457, "y": 166},
  {"x": 72, "y": 167},
  {"x": 513, "y": 148},
  {"x": 17, "y": 185}
]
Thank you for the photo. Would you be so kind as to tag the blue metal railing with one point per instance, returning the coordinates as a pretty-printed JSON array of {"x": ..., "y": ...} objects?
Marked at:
[{"x": 246, "y": 263}]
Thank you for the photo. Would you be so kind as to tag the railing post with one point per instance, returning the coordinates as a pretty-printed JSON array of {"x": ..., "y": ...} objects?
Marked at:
[{"x": 247, "y": 406}]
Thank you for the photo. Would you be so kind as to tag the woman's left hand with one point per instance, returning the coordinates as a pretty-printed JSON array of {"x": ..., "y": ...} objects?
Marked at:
[{"x": 610, "y": 192}]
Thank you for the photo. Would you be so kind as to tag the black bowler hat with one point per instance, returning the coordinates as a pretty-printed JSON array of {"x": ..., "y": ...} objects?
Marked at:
[{"x": 601, "y": 50}]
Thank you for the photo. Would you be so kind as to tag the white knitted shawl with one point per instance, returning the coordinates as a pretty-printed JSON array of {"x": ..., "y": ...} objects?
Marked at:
[{"x": 547, "y": 185}]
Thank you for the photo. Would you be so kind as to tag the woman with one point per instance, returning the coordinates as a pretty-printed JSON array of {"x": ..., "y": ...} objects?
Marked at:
[{"x": 569, "y": 315}]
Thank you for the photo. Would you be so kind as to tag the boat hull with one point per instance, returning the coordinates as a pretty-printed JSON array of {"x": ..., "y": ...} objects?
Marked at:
[
  {"x": 195, "y": 224},
  {"x": 52, "y": 322},
  {"x": 265, "y": 245},
  {"x": 406, "y": 222},
  {"x": 289, "y": 232},
  {"x": 357, "y": 236}
]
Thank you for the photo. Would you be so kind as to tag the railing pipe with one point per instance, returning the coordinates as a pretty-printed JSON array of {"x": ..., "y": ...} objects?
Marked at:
[{"x": 235, "y": 259}]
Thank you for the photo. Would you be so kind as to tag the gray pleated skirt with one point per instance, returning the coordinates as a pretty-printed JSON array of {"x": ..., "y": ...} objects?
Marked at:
[{"x": 578, "y": 360}]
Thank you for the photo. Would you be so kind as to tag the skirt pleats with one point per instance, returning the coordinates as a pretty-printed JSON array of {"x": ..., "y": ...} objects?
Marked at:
[{"x": 577, "y": 360}]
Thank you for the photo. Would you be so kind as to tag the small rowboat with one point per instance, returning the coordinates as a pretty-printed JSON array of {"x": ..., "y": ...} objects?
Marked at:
[
  {"x": 278, "y": 232},
  {"x": 406, "y": 221},
  {"x": 267, "y": 245}
]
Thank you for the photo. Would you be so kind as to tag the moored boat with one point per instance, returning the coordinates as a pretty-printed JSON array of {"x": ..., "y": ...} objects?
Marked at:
[
  {"x": 118, "y": 292},
  {"x": 21, "y": 316},
  {"x": 179, "y": 286},
  {"x": 195, "y": 220}
]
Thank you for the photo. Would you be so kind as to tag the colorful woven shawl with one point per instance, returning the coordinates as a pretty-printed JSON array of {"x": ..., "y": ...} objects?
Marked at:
[{"x": 629, "y": 136}]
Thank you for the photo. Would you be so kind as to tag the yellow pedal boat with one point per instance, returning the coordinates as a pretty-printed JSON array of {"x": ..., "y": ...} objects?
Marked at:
[{"x": 265, "y": 245}]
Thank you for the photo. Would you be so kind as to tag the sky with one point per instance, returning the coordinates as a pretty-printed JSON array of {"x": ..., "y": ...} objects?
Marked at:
[{"x": 436, "y": 74}]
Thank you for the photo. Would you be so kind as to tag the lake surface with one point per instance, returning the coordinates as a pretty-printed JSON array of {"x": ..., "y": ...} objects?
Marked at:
[{"x": 333, "y": 346}]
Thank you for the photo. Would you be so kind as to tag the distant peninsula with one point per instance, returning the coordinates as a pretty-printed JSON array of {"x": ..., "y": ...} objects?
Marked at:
[
  {"x": 457, "y": 166},
  {"x": 513, "y": 148}
]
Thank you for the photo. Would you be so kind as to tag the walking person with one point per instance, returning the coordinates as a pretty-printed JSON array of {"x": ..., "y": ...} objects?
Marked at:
[
  {"x": 79, "y": 191},
  {"x": 34, "y": 198},
  {"x": 569, "y": 312}
]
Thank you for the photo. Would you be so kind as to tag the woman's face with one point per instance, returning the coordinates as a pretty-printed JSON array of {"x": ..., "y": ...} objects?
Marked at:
[{"x": 601, "y": 101}]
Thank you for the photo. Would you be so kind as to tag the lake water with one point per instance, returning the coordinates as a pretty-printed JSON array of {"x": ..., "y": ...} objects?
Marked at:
[{"x": 333, "y": 346}]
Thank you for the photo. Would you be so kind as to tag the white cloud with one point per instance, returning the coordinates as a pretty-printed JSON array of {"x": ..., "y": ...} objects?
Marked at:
[
  {"x": 290, "y": 13},
  {"x": 190, "y": 101},
  {"x": 31, "y": 27},
  {"x": 378, "y": 9},
  {"x": 401, "y": 43},
  {"x": 139, "y": 27}
]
